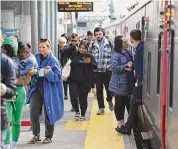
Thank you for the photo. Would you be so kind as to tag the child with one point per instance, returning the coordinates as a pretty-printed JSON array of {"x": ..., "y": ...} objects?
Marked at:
[{"x": 26, "y": 60}]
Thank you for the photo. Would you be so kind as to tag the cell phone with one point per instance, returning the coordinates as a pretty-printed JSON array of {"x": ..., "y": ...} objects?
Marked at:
[{"x": 86, "y": 55}]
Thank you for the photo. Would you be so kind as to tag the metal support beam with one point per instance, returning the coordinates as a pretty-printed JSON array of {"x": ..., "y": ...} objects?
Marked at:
[
  {"x": 34, "y": 26},
  {"x": 52, "y": 24},
  {"x": 41, "y": 19},
  {"x": 55, "y": 32},
  {"x": 48, "y": 20}
]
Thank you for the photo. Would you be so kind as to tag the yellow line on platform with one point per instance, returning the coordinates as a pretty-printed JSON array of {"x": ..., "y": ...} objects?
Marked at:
[
  {"x": 76, "y": 125},
  {"x": 101, "y": 131}
]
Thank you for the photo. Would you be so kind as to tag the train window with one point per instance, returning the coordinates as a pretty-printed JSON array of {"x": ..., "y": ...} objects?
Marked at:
[
  {"x": 149, "y": 73},
  {"x": 171, "y": 69},
  {"x": 159, "y": 63}
]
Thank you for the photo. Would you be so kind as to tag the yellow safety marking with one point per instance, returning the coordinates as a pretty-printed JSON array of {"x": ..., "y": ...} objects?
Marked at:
[
  {"x": 90, "y": 95},
  {"x": 76, "y": 125},
  {"x": 101, "y": 131}
]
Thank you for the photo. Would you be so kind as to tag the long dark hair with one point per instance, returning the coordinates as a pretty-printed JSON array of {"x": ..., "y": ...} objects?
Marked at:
[{"x": 118, "y": 43}]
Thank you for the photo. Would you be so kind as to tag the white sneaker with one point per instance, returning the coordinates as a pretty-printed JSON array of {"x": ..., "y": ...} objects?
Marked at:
[
  {"x": 77, "y": 116},
  {"x": 101, "y": 111}
]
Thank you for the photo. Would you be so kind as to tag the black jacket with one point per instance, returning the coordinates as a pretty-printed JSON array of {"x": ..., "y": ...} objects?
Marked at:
[
  {"x": 8, "y": 77},
  {"x": 81, "y": 72}
]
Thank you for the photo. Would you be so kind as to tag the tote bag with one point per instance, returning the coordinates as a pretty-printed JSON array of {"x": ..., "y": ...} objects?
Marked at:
[{"x": 66, "y": 70}]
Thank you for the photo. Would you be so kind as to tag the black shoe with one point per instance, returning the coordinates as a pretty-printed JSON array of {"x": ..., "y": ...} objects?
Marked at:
[
  {"x": 65, "y": 97},
  {"x": 123, "y": 130}
]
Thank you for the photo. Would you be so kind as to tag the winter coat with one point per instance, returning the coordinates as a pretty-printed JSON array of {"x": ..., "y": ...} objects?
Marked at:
[
  {"x": 121, "y": 82},
  {"x": 53, "y": 88}
]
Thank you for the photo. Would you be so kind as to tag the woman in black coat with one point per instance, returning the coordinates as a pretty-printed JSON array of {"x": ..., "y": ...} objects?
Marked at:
[{"x": 80, "y": 79}]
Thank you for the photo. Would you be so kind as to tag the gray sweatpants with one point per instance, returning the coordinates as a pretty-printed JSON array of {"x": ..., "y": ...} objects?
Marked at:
[{"x": 36, "y": 103}]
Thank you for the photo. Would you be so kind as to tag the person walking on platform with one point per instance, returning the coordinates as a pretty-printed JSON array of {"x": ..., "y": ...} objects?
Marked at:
[
  {"x": 45, "y": 89},
  {"x": 135, "y": 38},
  {"x": 14, "y": 108},
  {"x": 122, "y": 79},
  {"x": 62, "y": 44},
  {"x": 73, "y": 45},
  {"x": 80, "y": 79},
  {"x": 101, "y": 50}
]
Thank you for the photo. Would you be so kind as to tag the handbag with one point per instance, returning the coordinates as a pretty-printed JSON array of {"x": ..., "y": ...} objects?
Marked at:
[{"x": 66, "y": 70}]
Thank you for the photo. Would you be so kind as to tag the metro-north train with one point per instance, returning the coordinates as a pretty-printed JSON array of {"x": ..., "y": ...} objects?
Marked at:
[{"x": 158, "y": 114}]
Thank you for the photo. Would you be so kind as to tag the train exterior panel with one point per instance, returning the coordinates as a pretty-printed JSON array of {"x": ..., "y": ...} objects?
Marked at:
[{"x": 147, "y": 19}]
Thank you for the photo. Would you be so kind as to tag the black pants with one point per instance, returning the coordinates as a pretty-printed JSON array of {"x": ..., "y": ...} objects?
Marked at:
[
  {"x": 79, "y": 93},
  {"x": 135, "y": 101},
  {"x": 120, "y": 103},
  {"x": 100, "y": 79},
  {"x": 65, "y": 87},
  {"x": 36, "y": 103}
]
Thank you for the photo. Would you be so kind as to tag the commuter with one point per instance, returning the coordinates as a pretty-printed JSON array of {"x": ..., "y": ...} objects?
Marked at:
[
  {"x": 80, "y": 79},
  {"x": 62, "y": 44},
  {"x": 14, "y": 108},
  {"x": 73, "y": 45},
  {"x": 135, "y": 38},
  {"x": 66, "y": 37},
  {"x": 122, "y": 79},
  {"x": 26, "y": 61},
  {"x": 101, "y": 50},
  {"x": 89, "y": 38},
  {"x": 8, "y": 86},
  {"x": 45, "y": 88}
]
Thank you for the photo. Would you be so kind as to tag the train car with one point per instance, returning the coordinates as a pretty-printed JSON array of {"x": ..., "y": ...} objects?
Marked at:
[{"x": 158, "y": 114}]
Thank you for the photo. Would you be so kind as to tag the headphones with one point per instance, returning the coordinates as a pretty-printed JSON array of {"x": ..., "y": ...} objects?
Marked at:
[{"x": 100, "y": 29}]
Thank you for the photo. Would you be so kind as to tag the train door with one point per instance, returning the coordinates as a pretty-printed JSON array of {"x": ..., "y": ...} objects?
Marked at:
[{"x": 172, "y": 102}]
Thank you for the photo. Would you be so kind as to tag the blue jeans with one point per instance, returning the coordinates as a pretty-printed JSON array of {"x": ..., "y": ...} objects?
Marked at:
[{"x": 3, "y": 136}]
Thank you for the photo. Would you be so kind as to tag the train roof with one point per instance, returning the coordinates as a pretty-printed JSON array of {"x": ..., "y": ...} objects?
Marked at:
[{"x": 129, "y": 14}]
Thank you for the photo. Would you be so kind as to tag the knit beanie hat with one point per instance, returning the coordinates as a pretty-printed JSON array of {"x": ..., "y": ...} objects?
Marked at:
[{"x": 12, "y": 41}]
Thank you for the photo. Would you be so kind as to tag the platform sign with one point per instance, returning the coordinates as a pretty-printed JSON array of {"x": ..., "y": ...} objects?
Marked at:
[
  {"x": 75, "y": 6},
  {"x": 11, "y": 32}
]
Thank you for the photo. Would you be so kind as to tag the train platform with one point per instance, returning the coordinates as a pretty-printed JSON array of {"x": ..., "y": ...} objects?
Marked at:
[{"x": 97, "y": 132}]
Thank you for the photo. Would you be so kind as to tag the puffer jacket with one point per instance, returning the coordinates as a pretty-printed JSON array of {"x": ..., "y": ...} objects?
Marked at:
[{"x": 121, "y": 82}]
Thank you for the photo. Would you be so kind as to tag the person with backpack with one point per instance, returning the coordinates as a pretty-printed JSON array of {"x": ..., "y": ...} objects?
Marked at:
[
  {"x": 122, "y": 79},
  {"x": 101, "y": 51}
]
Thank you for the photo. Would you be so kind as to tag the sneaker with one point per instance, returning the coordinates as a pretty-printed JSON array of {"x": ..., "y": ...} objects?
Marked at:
[
  {"x": 65, "y": 97},
  {"x": 111, "y": 107},
  {"x": 77, "y": 116},
  {"x": 47, "y": 140},
  {"x": 82, "y": 118},
  {"x": 72, "y": 109},
  {"x": 34, "y": 140},
  {"x": 100, "y": 111}
]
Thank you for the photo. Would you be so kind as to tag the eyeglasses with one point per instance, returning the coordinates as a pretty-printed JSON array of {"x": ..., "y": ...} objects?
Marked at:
[{"x": 73, "y": 40}]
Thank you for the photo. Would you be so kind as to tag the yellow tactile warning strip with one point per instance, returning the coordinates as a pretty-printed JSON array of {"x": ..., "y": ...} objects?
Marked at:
[
  {"x": 90, "y": 95},
  {"x": 101, "y": 131},
  {"x": 76, "y": 125}
]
